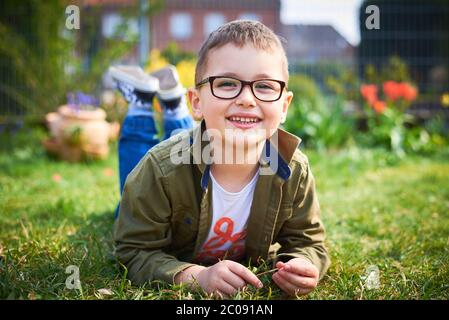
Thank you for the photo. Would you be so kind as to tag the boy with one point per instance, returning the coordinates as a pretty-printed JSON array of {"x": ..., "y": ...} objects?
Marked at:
[{"x": 195, "y": 222}]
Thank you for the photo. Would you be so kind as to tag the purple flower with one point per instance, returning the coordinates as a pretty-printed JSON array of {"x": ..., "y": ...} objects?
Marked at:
[
  {"x": 79, "y": 100},
  {"x": 71, "y": 100}
]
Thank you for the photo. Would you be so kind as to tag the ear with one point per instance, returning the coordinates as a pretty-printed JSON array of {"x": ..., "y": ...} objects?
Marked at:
[
  {"x": 195, "y": 102},
  {"x": 287, "y": 100}
]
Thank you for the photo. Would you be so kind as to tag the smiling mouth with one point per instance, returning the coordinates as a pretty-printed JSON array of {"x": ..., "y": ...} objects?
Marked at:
[{"x": 244, "y": 120}]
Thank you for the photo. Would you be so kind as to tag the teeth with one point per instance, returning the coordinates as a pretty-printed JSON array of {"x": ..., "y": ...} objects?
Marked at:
[{"x": 245, "y": 120}]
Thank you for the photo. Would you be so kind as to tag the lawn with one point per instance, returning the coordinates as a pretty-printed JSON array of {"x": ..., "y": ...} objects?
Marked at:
[{"x": 379, "y": 211}]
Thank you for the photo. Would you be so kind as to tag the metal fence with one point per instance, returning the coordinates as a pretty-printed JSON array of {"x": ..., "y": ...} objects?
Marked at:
[{"x": 415, "y": 31}]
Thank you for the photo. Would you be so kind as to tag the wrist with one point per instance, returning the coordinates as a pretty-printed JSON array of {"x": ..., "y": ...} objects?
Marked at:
[{"x": 189, "y": 274}]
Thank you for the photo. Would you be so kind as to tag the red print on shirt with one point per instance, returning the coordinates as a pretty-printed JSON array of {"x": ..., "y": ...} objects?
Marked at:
[{"x": 210, "y": 251}]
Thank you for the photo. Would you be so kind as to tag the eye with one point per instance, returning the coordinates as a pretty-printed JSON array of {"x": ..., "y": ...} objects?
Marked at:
[
  {"x": 226, "y": 83},
  {"x": 266, "y": 85}
]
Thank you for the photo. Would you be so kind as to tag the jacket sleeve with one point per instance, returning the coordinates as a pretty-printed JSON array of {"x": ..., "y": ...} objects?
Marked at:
[
  {"x": 143, "y": 230},
  {"x": 302, "y": 235}
]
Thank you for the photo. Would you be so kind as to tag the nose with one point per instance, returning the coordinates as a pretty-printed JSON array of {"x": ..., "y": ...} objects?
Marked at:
[{"x": 246, "y": 97}]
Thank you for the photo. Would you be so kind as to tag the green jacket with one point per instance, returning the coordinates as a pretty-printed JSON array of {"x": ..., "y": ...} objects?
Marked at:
[{"x": 166, "y": 212}]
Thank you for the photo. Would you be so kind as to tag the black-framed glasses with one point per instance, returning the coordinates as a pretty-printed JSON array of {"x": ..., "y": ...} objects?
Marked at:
[{"x": 267, "y": 90}]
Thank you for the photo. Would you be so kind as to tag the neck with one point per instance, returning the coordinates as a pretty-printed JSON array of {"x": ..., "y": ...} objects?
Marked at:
[
  {"x": 234, "y": 177},
  {"x": 233, "y": 171}
]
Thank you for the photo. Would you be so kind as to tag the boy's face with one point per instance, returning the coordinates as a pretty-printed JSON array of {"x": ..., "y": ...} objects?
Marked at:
[{"x": 248, "y": 64}]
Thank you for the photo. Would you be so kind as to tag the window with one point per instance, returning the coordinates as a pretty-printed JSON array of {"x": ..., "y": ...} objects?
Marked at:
[
  {"x": 250, "y": 16},
  {"x": 212, "y": 21},
  {"x": 112, "y": 21},
  {"x": 181, "y": 25}
]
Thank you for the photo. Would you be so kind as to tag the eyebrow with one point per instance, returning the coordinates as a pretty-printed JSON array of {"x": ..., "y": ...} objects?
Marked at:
[{"x": 234, "y": 75}]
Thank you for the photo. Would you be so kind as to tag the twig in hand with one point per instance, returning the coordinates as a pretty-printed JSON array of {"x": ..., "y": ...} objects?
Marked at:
[{"x": 265, "y": 272}]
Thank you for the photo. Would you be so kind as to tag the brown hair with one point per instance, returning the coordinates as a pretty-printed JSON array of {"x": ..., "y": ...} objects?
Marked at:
[{"x": 240, "y": 33}]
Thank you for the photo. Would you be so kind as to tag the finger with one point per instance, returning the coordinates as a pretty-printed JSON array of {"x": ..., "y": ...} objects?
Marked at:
[
  {"x": 234, "y": 280},
  {"x": 226, "y": 289},
  {"x": 303, "y": 269},
  {"x": 245, "y": 274},
  {"x": 287, "y": 287},
  {"x": 280, "y": 265},
  {"x": 297, "y": 280},
  {"x": 283, "y": 284}
]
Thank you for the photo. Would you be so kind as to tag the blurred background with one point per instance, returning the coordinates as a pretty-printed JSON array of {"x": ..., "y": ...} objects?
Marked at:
[
  {"x": 331, "y": 51},
  {"x": 371, "y": 104}
]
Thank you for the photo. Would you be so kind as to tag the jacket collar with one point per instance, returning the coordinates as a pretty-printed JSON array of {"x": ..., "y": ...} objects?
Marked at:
[{"x": 277, "y": 154}]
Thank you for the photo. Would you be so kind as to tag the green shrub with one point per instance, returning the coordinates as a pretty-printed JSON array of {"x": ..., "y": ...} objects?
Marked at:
[
  {"x": 320, "y": 123},
  {"x": 303, "y": 87},
  {"x": 345, "y": 84}
]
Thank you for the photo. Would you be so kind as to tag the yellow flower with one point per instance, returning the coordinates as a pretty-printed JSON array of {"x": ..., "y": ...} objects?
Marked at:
[
  {"x": 186, "y": 71},
  {"x": 445, "y": 100},
  {"x": 156, "y": 61}
]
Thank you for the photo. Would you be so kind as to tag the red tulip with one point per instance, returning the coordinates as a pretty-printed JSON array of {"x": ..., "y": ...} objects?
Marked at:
[
  {"x": 408, "y": 92},
  {"x": 392, "y": 90},
  {"x": 379, "y": 106},
  {"x": 369, "y": 93}
]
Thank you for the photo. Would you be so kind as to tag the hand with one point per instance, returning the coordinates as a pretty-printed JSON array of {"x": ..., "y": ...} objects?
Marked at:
[
  {"x": 296, "y": 277},
  {"x": 226, "y": 277}
]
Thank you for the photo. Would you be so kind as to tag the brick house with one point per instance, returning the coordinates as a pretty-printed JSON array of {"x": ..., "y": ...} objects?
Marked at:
[{"x": 188, "y": 22}]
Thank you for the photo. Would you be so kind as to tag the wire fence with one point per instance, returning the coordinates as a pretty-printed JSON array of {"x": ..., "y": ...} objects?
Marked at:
[{"x": 417, "y": 32}]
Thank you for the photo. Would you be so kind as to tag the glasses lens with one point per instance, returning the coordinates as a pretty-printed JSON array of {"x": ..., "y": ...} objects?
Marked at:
[
  {"x": 226, "y": 87},
  {"x": 267, "y": 90}
]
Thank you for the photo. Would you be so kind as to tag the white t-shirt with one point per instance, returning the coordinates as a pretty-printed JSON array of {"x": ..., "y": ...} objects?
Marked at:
[{"x": 226, "y": 238}]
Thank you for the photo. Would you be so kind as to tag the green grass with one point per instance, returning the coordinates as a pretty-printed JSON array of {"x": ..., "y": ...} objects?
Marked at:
[{"x": 378, "y": 210}]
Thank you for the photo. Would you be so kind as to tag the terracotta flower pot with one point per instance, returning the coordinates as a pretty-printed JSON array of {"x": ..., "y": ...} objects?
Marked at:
[{"x": 79, "y": 133}]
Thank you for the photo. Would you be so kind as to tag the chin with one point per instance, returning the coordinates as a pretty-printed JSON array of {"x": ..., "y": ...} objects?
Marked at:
[{"x": 244, "y": 138}]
